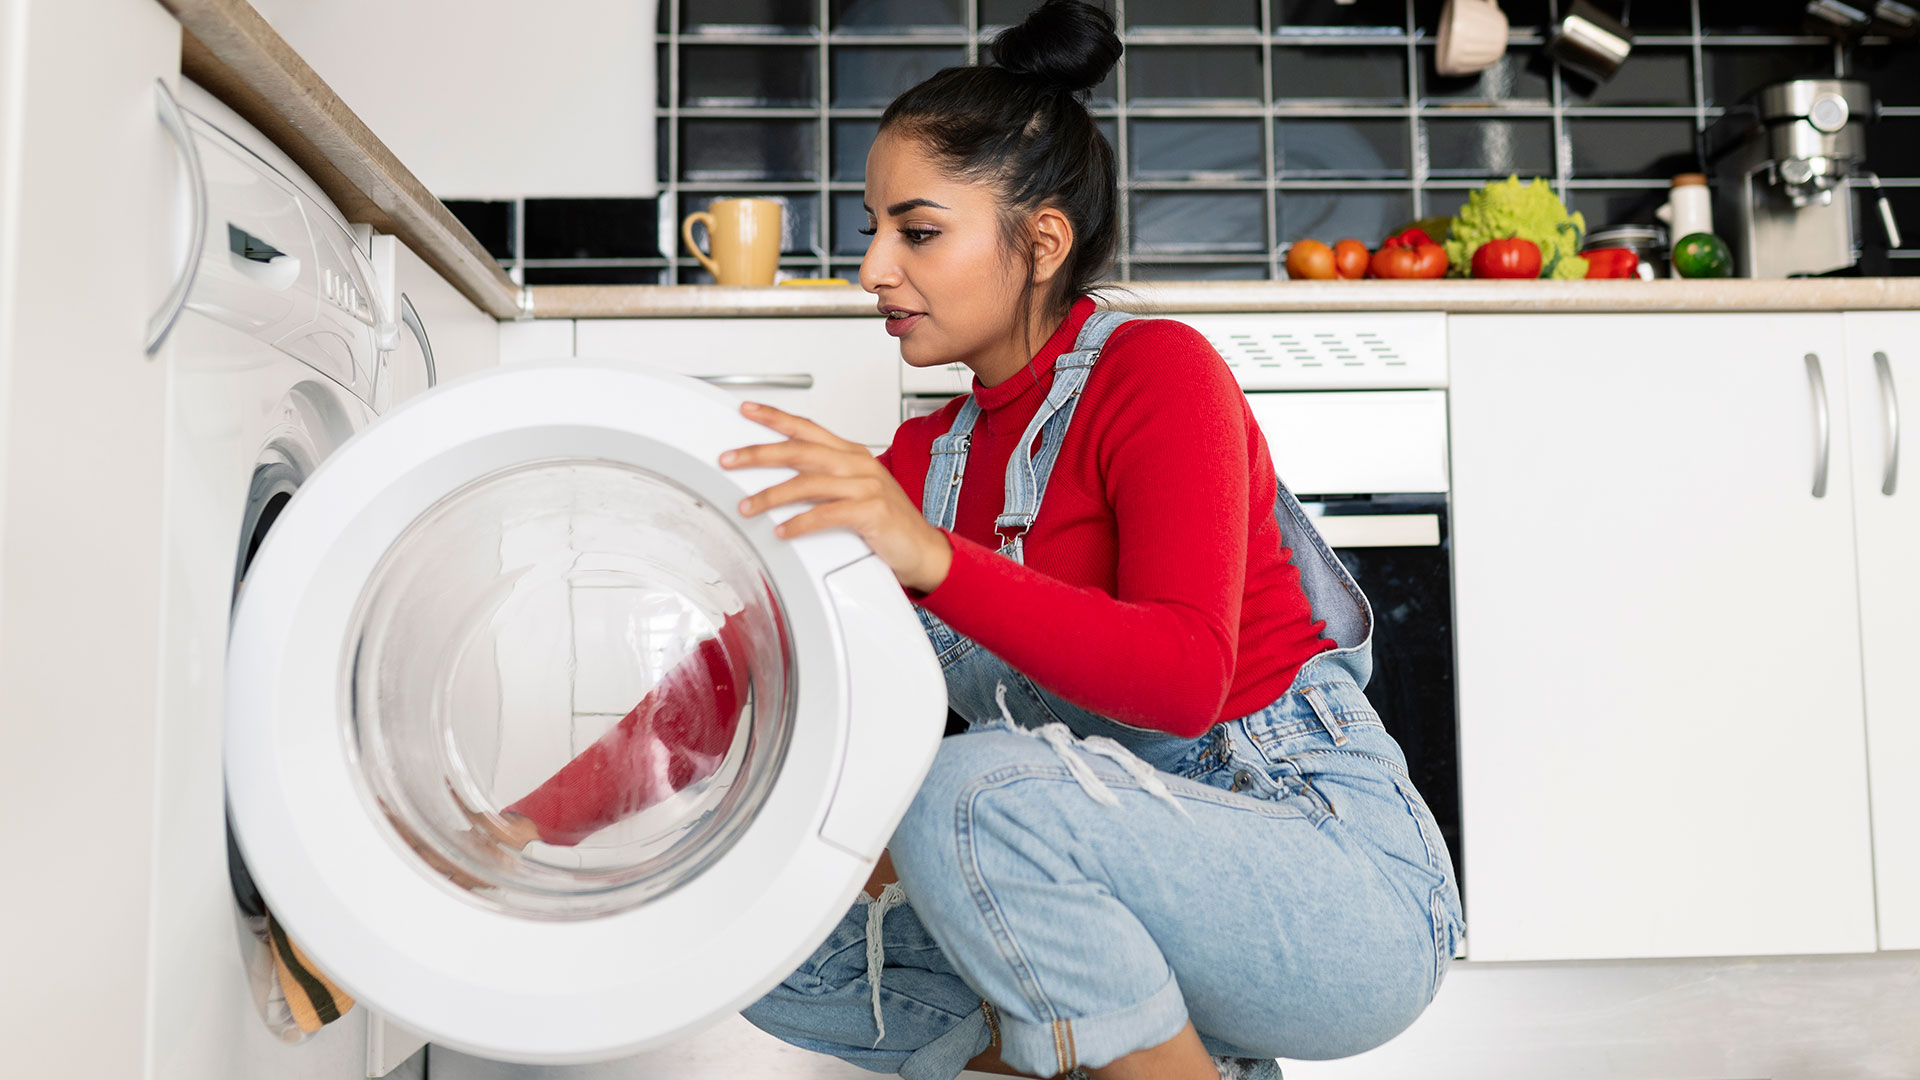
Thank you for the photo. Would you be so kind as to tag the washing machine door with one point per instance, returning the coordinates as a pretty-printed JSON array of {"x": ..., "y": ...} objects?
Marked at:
[{"x": 529, "y": 593}]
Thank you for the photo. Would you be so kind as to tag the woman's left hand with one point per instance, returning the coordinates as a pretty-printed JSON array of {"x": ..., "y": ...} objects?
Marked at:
[{"x": 851, "y": 490}]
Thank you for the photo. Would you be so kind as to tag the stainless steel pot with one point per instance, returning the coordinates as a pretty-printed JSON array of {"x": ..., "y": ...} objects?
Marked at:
[
  {"x": 1650, "y": 242},
  {"x": 1592, "y": 42}
]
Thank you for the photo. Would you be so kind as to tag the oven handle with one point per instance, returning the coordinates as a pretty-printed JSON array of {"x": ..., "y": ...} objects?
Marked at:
[{"x": 1379, "y": 530}]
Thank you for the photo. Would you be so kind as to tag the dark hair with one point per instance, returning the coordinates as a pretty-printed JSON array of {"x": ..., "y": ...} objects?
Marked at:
[{"x": 1021, "y": 125}]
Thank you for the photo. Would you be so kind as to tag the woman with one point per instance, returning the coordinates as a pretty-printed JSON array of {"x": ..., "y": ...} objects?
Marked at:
[{"x": 1176, "y": 829}]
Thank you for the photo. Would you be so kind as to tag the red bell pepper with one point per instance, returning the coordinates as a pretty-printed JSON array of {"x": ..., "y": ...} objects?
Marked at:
[{"x": 1612, "y": 263}]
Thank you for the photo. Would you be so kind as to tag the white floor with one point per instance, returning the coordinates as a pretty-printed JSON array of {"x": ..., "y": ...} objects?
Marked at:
[
  {"x": 734, "y": 1049},
  {"x": 1790, "y": 1018}
]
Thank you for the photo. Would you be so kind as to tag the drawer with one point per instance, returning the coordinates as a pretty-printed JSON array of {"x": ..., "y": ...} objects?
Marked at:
[{"x": 843, "y": 374}]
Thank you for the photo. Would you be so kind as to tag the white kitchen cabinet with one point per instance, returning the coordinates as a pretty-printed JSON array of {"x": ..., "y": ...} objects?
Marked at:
[
  {"x": 841, "y": 373},
  {"x": 1882, "y": 364},
  {"x": 1661, "y": 725}
]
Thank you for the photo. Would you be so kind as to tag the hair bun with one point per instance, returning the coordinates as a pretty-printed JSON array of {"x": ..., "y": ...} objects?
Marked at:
[{"x": 1064, "y": 43}]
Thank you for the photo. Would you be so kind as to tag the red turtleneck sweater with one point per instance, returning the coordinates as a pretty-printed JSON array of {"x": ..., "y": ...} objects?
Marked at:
[{"x": 1155, "y": 589}]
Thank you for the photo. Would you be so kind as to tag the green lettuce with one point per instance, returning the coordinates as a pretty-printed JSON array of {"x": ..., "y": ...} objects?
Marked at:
[{"x": 1530, "y": 211}]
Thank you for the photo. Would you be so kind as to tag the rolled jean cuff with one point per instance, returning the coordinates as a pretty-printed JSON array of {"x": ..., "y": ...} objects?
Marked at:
[
  {"x": 946, "y": 1057},
  {"x": 1058, "y": 1046}
]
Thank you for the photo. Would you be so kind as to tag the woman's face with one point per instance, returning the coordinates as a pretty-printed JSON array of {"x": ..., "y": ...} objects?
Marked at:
[{"x": 947, "y": 283}]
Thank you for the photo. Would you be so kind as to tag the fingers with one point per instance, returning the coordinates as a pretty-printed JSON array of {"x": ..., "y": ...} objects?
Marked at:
[
  {"x": 811, "y": 487},
  {"x": 801, "y": 455},
  {"x": 834, "y": 515},
  {"x": 794, "y": 427}
]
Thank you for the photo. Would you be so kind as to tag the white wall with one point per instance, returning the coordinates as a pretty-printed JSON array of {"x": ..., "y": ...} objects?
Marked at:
[{"x": 487, "y": 99}]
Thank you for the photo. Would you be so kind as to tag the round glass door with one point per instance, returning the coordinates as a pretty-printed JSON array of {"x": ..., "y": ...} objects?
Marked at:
[{"x": 571, "y": 687}]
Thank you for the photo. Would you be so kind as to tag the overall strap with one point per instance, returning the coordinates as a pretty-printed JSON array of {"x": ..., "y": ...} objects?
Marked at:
[
  {"x": 1027, "y": 475},
  {"x": 940, "y": 499}
]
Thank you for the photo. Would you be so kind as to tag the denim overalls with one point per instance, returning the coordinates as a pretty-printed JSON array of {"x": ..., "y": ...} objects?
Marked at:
[{"x": 1075, "y": 888}]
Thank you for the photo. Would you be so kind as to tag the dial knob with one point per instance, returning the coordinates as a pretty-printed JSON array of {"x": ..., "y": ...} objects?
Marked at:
[{"x": 1828, "y": 113}]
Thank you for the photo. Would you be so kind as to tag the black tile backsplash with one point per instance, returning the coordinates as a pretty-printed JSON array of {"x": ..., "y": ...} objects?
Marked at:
[
  {"x": 592, "y": 228},
  {"x": 1462, "y": 147},
  {"x": 1351, "y": 149},
  {"x": 871, "y": 76},
  {"x": 1187, "y": 74},
  {"x": 1631, "y": 148},
  {"x": 1198, "y": 221},
  {"x": 1196, "y": 149},
  {"x": 1245, "y": 124},
  {"x": 1361, "y": 74},
  {"x": 895, "y": 16},
  {"x": 745, "y": 149},
  {"x": 1186, "y": 14},
  {"x": 1337, "y": 214},
  {"x": 491, "y": 223},
  {"x": 775, "y": 16},
  {"x": 718, "y": 75},
  {"x": 851, "y": 140},
  {"x": 1350, "y": 16},
  {"x": 1651, "y": 75}
]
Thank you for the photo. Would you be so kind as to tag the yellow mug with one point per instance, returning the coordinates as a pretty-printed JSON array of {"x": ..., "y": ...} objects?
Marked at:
[{"x": 745, "y": 237}]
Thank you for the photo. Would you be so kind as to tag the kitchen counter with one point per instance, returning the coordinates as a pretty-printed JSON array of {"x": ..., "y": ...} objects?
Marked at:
[{"x": 1809, "y": 294}]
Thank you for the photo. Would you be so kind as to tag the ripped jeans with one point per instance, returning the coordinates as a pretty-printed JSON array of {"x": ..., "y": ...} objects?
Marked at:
[{"x": 1278, "y": 882}]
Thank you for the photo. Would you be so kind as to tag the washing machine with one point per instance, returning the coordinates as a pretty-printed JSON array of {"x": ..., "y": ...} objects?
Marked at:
[{"x": 398, "y": 612}]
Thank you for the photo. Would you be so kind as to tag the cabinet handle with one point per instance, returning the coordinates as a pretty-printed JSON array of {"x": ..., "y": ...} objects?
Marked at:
[
  {"x": 1822, "y": 425},
  {"x": 161, "y": 322},
  {"x": 1891, "y": 475},
  {"x": 776, "y": 382}
]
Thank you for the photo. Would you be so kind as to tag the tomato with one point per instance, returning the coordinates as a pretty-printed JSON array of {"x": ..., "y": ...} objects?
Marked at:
[
  {"x": 1350, "y": 259},
  {"x": 1510, "y": 258},
  {"x": 1311, "y": 259},
  {"x": 1399, "y": 260}
]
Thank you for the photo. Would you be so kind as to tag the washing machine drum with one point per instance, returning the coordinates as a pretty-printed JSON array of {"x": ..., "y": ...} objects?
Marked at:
[{"x": 539, "y": 748}]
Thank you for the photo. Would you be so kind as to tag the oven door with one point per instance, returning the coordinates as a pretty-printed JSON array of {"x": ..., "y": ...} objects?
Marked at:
[{"x": 1398, "y": 548}]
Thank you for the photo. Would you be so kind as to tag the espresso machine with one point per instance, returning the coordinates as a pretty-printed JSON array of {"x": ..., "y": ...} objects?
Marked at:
[{"x": 1789, "y": 165}]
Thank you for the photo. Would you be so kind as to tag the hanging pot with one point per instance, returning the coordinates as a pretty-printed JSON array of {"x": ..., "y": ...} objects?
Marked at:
[{"x": 1592, "y": 42}]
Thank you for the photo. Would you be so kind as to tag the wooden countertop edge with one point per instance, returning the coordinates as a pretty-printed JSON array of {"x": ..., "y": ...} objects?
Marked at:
[
  {"x": 1811, "y": 294},
  {"x": 233, "y": 53}
]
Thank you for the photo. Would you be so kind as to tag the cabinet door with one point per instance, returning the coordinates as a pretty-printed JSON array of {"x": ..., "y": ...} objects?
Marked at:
[
  {"x": 1661, "y": 724},
  {"x": 841, "y": 373},
  {"x": 1883, "y": 363}
]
